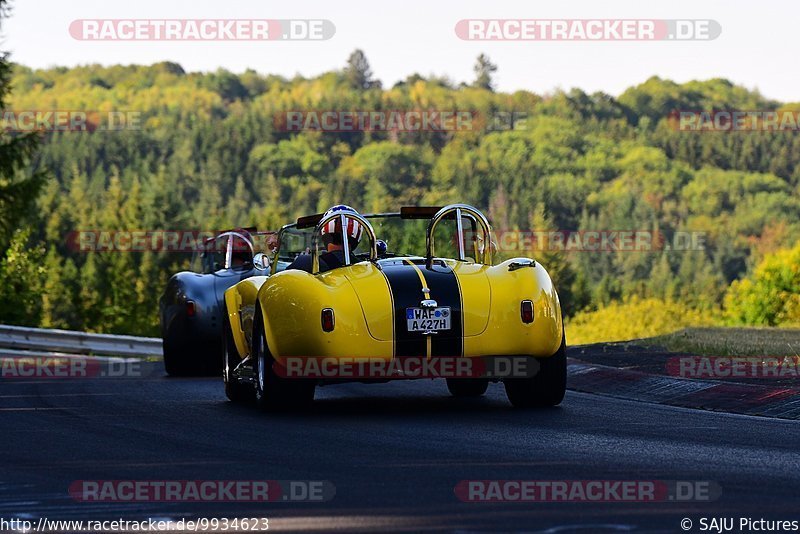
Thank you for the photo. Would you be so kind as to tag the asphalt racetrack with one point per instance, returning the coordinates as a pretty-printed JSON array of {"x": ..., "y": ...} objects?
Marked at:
[{"x": 394, "y": 452}]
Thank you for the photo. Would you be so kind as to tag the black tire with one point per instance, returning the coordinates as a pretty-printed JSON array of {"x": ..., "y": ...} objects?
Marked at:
[
  {"x": 211, "y": 365},
  {"x": 234, "y": 390},
  {"x": 546, "y": 388},
  {"x": 178, "y": 363},
  {"x": 174, "y": 362},
  {"x": 274, "y": 393},
  {"x": 467, "y": 387}
]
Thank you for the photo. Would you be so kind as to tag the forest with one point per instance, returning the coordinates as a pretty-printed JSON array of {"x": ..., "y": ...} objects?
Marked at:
[{"x": 210, "y": 151}]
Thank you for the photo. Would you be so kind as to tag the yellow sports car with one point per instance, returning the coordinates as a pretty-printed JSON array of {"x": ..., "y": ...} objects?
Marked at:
[{"x": 371, "y": 298}]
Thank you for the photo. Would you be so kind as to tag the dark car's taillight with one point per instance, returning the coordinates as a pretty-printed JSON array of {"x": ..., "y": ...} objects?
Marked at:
[{"x": 190, "y": 308}]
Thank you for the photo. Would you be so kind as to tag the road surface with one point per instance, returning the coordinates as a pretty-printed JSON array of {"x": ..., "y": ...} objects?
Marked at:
[{"x": 394, "y": 453}]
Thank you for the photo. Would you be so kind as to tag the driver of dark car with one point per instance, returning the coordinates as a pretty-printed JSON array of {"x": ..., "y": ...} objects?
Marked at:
[
  {"x": 241, "y": 252},
  {"x": 332, "y": 239}
]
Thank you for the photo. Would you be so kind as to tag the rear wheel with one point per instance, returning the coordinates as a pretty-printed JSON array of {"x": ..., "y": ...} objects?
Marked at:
[
  {"x": 467, "y": 387},
  {"x": 546, "y": 388},
  {"x": 174, "y": 362},
  {"x": 274, "y": 393},
  {"x": 234, "y": 390},
  {"x": 210, "y": 365}
]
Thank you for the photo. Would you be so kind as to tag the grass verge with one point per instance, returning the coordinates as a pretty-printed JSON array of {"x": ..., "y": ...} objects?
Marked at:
[{"x": 724, "y": 341}]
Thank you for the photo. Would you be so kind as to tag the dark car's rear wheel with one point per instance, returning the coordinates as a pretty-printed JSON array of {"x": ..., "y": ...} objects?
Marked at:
[
  {"x": 234, "y": 390},
  {"x": 275, "y": 393},
  {"x": 175, "y": 363},
  {"x": 546, "y": 388},
  {"x": 187, "y": 359},
  {"x": 467, "y": 387}
]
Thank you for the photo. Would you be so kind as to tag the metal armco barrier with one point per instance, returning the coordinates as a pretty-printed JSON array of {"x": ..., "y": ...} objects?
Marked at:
[{"x": 20, "y": 337}]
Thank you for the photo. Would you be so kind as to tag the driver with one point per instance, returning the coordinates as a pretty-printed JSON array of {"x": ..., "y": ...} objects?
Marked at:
[{"x": 331, "y": 234}]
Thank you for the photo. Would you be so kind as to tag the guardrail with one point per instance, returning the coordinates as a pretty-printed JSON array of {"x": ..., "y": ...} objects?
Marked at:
[{"x": 20, "y": 337}]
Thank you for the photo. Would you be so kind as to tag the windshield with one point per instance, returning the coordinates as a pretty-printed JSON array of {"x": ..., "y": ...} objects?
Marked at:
[{"x": 210, "y": 256}]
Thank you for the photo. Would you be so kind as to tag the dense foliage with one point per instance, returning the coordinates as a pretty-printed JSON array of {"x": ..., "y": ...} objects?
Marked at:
[
  {"x": 20, "y": 272},
  {"x": 208, "y": 156},
  {"x": 771, "y": 297}
]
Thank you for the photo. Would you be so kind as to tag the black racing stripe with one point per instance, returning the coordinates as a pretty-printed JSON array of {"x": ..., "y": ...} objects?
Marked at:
[
  {"x": 406, "y": 288},
  {"x": 445, "y": 291}
]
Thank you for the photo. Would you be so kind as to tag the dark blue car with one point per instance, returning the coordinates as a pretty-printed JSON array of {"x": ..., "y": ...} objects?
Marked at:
[{"x": 192, "y": 307}]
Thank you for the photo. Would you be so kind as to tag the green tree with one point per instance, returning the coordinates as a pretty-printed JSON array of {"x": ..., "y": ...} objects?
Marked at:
[
  {"x": 358, "y": 74},
  {"x": 484, "y": 70},
  {"x": 60, "y": 294},
  {"x": 771, "y": 296},
  {"x": 21, "y": 281},
  {"x": 18, "y": 191}
]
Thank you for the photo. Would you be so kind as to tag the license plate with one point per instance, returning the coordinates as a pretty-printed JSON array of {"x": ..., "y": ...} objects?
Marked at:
[{"x": 428, "y": 319}]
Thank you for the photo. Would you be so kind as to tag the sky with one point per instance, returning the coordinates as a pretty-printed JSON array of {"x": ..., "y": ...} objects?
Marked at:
[{"x": 754, "y": 49}]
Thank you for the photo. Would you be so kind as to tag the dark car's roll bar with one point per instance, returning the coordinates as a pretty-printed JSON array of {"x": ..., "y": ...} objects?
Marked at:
[
  {"x": 343, "y": 216},
  {"x": 460, "y": 210},
  {"x": 208, "y": 243}
]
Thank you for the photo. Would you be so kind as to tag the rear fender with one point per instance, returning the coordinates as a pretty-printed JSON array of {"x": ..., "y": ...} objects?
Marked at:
[
  {"x": 505, "y": 332},
  {"x": 291, "y": 305},
  {"x": 240, "y": 301},
  {"x": 200, "y": 333}
]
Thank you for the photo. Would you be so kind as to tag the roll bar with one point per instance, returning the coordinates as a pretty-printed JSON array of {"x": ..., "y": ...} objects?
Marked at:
[
  {"x": 343, "y": 216},
  {"x": 460, "y": 210},
  {"x": 229, "y": 245}
]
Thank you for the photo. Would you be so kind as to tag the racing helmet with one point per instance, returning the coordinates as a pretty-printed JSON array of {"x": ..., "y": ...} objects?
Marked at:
[{"x": 331, "y": 232}]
